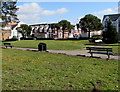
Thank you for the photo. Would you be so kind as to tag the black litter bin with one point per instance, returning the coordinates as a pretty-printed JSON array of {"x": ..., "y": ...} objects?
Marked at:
[{"x": 42, "y": 47}]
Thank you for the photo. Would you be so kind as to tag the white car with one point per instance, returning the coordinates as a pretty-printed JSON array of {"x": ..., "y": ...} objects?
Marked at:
[{"x": 98, "y": 40}]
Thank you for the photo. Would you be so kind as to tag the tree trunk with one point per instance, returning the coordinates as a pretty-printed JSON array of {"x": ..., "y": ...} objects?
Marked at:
[
  {"x": 2, "y": 36},
  {"x": 63, "y": 34},
  {"x": 89, "y": 33},
  {"x": 57, "y": 33}
]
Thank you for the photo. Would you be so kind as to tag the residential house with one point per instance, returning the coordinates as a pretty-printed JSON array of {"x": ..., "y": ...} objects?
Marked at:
[
  {"x": 84, "y": 33},
  {"x": 46, "y": 31},
  {"x": 9, "y": 30},
  {"x": 14, "y": 32},
  {"x": 5, "y": 31},
  {"x": 115, "y": 20}
]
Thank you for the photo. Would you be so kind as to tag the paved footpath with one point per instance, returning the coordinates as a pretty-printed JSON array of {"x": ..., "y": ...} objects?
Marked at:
[{"x": 82, "y": 52}]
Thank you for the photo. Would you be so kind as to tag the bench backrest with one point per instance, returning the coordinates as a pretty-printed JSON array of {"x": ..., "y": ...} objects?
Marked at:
[
  {"x": 7, "y": 43},
  {"x": 99, "y": 49}
]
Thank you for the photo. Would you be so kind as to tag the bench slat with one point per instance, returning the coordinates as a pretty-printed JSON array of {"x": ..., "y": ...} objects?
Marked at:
[
  {"x": 7, "y": 45},
  {"x": 102, "y": 53},
  {"x": 99, "y": 49}
]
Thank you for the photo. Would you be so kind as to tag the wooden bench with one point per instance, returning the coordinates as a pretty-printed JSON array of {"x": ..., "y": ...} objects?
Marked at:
[
  {"x": 98, "y": 50},
  {"x": 8, "y": 45}
]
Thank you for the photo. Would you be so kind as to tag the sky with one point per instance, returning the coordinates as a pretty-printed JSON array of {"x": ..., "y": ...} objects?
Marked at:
[{"x": 52, "y": 12}]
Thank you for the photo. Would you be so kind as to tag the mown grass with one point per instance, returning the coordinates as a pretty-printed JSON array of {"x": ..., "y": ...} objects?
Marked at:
[
  {"x": 116, "y": 49},
  {"x": 62, "y": 44},
  {"x": 27, "y": 70},
  {"x": 52, "y": 44}
]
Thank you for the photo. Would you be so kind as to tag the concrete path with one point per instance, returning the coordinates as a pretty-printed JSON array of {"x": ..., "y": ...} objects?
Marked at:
[{"x": 82, "y": 52}]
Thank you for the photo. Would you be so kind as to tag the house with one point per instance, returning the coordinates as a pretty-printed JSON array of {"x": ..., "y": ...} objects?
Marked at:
[
  {"x": 75, "y": 32},
  {"x": 46, "y": 31},
  {"x": 14, "y": 32},
  {"x": 84, "y": 33},
  {"x": 9, "y": 30},
  {"x": 115, "y": 20},
  {"x": 5, "y": 31},
  {"x": 41, "y": 31}
]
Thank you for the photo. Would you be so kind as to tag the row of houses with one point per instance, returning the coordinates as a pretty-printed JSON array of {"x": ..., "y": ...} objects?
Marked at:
[{"x": 45, "y": 30}]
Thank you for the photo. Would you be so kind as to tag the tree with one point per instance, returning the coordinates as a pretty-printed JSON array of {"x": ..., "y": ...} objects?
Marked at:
[
  {"x": 55, "y": 26},
  {"x": 25, "y": 30},
  {"x": 91, "y": 23},
  {"x": 65, "y": 25},
  {"x": 8, "y": 10},
  {"x": 110, "y": 35},
  {"x": 7, "y": 14}
]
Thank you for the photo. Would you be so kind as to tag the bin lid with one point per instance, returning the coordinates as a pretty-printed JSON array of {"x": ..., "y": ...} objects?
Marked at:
[{"x": 42, "y": 43}]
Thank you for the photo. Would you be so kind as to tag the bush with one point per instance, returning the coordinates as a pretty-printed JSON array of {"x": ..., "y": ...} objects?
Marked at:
[
  {"x": 22, "y": 38},
  {"x": 13, "y": 39},
  {"x": 44, "y": 38},
  {"x": 95, "y": 37},
  {"x": 110, "y": 35}
]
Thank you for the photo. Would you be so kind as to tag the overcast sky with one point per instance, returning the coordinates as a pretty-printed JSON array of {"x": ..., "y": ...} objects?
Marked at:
[{"x": 48, "y": 12}]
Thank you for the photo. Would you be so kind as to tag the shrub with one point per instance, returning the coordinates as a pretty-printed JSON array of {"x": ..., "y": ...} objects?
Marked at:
[
  {"x": 95, "y": 37},
  {"x": 110, "y": 35},
  {"x": 12, "y": 39},
  {"x": 30, "y": 38}
]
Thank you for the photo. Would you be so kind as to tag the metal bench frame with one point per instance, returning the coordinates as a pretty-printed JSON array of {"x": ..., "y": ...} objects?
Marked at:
[
  {"x": 8, "y": 45},
  {"x": 98, "y": 50}
]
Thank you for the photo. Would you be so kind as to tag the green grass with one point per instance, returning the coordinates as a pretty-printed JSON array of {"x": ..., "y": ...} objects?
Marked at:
[
  {"x": 61, "y": 44},
  {"x": 27, "y": 70},
  {"x": 51, "y": 44},
  {"x": 116, "y": 49},
  {"x": 104, "y": 44}
]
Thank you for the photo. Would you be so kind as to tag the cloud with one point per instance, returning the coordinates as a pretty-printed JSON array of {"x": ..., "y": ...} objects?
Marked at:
[
  {"x": 33, "y": 12},
  {"x": 59, "y": 11},
  {"x": 107, "y": 11},
  {"x": 101, "y": 13}
]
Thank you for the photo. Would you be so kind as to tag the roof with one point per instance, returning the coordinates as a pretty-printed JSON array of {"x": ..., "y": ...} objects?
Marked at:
[
  {"x": 113, "y": 17},
  {"x": 39, "y": 24},
  {"x": 42, "y": 24}
]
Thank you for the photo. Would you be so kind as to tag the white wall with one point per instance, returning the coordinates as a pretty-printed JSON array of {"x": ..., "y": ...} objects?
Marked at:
[{"x": 15, "y": 33}]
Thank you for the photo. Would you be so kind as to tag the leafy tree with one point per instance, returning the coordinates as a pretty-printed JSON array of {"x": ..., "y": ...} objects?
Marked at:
[
  {"x": 91, "y": 23},
  {"x": 8, "y": 10},
  {"x": 25, "y": 30},
  {"x": 65, "y": 25},
  {"x": 7, "y": 14},
  {"x": 110, "y": 35},
  {"x": 55, "y": 26}
]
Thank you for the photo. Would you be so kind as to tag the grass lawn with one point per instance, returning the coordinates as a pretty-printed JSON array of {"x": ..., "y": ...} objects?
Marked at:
[
  {"x": 62, "y": 44},
  {"x": 27, "y": 70},
  {"x": 51, "y": 44},
  {"x": 116, "y": 49}
]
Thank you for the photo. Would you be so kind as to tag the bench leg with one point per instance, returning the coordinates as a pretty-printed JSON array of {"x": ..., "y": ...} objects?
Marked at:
[
  {"x": 91, "y": 54},
  {"x": 108, "y": 56},
  {"x": 6, "y": 46}
]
